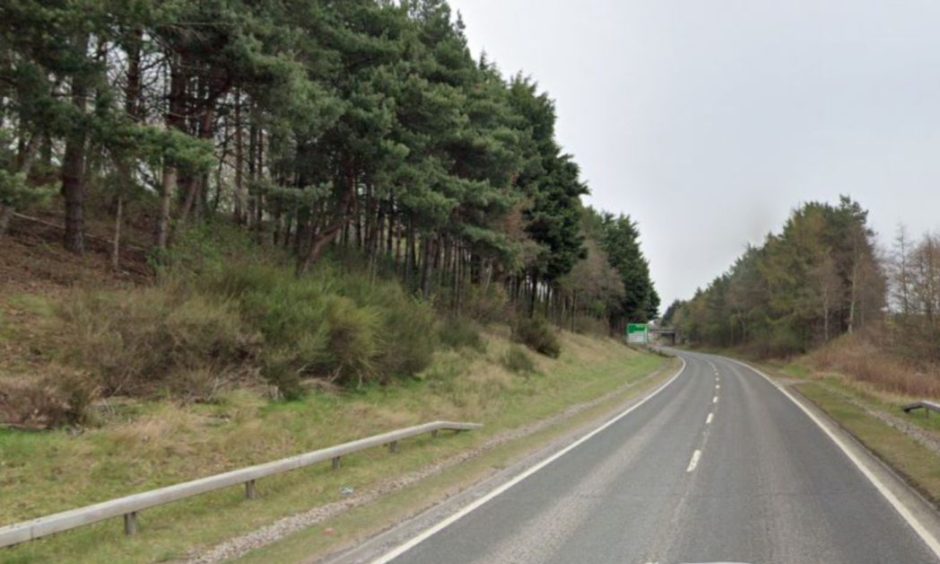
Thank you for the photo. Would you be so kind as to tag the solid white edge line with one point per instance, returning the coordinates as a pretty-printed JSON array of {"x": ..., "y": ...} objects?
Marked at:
[
  {"x": 708, "y": 420},
  {"x": 694, "y": 462},
  {"x": 892, "y": 499},
  {"x": 431, "y": 531}
]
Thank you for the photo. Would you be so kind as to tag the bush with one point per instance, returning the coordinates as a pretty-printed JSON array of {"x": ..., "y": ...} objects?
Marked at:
[
  {"x": 134, "y": 342},
  {"x": 458, "y": 332},
  {"x": 329, "y": 324},
  {"x": 518, "y": 361},
  {"x": 351, "y": 342},
  {"x": 62, "y": 398},
  {"x": 406, "y": 338},
  {"x": 589, "y": 325},
  {"x": 485, "y": 305},
  {"x": 224, "y": 310},
  {"x": 782, "y": 342},
  {"x": 537, "y": 334},
  {"x": 280, "y": 371}
]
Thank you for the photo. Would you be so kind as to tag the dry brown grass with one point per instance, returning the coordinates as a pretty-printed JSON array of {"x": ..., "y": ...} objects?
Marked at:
[{"x": 861, "y": 358}]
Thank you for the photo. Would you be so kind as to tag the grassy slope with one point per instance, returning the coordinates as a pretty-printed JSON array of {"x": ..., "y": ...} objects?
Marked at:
[
  {"x": 159, "y": 443},
  {"x": 350, "y": 528}
]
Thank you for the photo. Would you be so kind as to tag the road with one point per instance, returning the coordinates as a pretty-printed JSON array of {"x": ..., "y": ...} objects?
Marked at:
[{"x": 718, "y": 466}]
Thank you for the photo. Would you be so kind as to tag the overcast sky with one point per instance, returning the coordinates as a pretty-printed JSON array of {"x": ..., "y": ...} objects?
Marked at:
[{"x": 709, "y": 121}]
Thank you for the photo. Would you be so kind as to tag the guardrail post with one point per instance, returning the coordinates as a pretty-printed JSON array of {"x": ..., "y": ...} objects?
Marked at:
[
  {"x": 129, "y": 506},
  {"x": 337, "y": 462},
  {"x": 130, "y": 523}
]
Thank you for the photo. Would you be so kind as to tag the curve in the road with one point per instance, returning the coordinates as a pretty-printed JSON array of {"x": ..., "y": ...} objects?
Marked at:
[{"x": 718, "y": 464}]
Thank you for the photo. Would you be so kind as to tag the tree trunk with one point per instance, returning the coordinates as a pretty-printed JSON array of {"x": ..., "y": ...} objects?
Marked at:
[
  {"x": 259, "y": 197},
  {"x": 116, "y": 245},
  {"x": 533, "y": 296},
  {"x": 425, "y": 267},
  {"x": 196, "y": 186},
  {"x": 321, "y": 240},
  {"x": 241, "y": 191},
  {"x": 175, "y": 119},
  {"x": 6, "y": 214},
  {"x": 854, "y": 291},
  {"x": 132, "y": 108},
  {"x": 73, "y": 165}
]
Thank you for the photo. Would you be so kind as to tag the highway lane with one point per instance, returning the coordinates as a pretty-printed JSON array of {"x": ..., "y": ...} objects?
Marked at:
[{"x": 719, "y": 466}]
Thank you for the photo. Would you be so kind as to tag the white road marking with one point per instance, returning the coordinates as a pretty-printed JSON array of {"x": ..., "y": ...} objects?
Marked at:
[
  {"x": 694, "y": 462},
  {"x": 717, "y": 386},
  {"x": 431, "y": 531},
  {"x": 715, "y": 399},
  {"x": 902, "y": 509},
  {"x": 708, "y": 421}
]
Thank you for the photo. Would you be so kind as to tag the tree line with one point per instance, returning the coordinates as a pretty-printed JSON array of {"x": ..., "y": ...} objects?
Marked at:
[
  {"x": 914, "y": 272},
  {"x": 363, "y": 125},
  {"x": 820, "y": 278}
]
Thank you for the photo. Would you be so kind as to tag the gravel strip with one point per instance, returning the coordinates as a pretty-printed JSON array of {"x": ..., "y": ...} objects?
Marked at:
[{"x": 920, "y": 435}]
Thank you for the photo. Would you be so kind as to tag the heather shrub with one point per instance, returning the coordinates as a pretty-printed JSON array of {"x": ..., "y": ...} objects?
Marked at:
[{"x": 537, "y": 334}]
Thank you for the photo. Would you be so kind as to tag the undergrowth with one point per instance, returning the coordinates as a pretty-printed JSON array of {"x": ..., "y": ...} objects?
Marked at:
[{"x": 226, "y": 312}]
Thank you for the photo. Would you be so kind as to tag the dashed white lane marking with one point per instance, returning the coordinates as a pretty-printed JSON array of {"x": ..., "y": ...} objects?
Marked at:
[
  {"x": 715, "y": 399},
  {"x": 708, "y": 421},
  {"x": 434, "y": 529},
  {"x": 694, "y": 462},
  {"x": 717, "y": 386}
]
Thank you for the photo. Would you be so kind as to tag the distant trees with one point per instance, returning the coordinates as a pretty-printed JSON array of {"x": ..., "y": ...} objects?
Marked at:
[
  {"x": 818, "y": 279},
  {"x": 363, "y": 124},
  {"x": 915, "y": 282}
]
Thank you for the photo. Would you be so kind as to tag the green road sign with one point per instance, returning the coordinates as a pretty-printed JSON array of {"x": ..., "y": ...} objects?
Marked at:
[{"x": 638, "y": 333}]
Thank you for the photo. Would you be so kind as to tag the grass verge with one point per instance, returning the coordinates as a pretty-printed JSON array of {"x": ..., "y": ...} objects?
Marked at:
[
  {"x": 151, "y": 444},
  {"x": 874, "y": 418},
  {"x": 363, "y": 522}
]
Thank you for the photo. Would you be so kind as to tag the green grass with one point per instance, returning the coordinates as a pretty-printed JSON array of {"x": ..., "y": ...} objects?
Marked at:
[
  {"x": 364, "y": 521},
  {"x": 862, "y": 392},
  {"x": 32, "y": 303},
  {"x": 914, "y": 461},
  {"x": 151, "y": 444}
]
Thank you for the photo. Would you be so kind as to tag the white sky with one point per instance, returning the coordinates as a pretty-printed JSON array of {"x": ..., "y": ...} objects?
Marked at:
[{"x": 707, "y": 121}]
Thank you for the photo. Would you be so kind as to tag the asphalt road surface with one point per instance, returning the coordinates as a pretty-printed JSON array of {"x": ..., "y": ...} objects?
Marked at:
[{"x": 719, "y": 466}]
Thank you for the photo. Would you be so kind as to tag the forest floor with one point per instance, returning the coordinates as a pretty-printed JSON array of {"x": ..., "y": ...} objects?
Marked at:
[{"x": 138, "y": 444}]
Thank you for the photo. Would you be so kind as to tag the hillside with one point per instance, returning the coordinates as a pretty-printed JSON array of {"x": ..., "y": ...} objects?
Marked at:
[{"x": 152, "y": 379}]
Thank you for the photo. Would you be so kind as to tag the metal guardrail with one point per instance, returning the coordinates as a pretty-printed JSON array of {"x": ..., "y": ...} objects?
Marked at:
[
  {"x": 129, "y": 506},
  {"x": 927, "y": 406}
]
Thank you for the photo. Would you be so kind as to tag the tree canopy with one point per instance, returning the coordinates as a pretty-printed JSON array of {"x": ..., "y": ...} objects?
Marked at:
[
  {"x": 363, "y": 124},
  {"x": 818, "y": 279}
]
